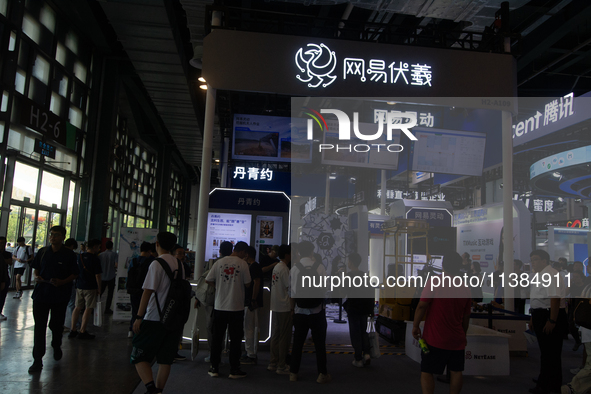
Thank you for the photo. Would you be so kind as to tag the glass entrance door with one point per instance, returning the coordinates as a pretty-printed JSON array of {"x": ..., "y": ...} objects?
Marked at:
[
  {"x": 33, "y": 225},
  {"x": 35, "y": 199}
]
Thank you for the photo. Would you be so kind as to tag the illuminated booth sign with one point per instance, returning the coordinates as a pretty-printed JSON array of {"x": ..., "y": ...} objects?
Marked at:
[
  {"x": 553, "y": 115},
  {"x": 306, "y": 66}
]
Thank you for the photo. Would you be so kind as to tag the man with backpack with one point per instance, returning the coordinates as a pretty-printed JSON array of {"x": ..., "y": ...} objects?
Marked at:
[
  {"x": 21, "y": 256},
  {"x": 158, "y": 323},
  {"x": 309, "y": 313},
  {"x": 229, "y": 275},
  {"x": 136, "y": 274}
]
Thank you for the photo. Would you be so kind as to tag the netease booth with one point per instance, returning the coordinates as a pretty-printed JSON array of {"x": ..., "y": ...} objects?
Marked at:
[
  {"x": 259, "y": 218},
  {"x": 433, "y": 80}
]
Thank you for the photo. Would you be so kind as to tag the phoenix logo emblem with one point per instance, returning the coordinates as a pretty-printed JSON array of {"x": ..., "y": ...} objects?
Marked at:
[{"x": 316, "y": 63}]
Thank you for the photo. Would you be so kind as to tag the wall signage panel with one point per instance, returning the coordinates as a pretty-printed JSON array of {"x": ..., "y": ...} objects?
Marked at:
[
  {"x": 327, "y": 67},
  {"x": 43, "y": 121},
  {"x": 248, "y": 200},
  {"x": 44, "y": 149}
]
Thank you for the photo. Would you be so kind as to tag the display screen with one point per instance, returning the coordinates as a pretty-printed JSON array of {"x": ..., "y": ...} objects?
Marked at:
[
  {"x": 222, "y": 227},
  {"x": 448, "y": 152},
  {"x": 268, "y": 233},
  {"x": 270, "y": 138}
]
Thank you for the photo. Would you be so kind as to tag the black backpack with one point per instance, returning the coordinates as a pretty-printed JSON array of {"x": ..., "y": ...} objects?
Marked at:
[
  {"x": 27, "y": 254},
  {"x": 137, "y": 275},
  {"x": 175, "y": 311},
  {"x": 314, "y": 295}
]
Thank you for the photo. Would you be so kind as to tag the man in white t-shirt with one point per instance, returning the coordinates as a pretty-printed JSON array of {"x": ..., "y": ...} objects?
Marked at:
[
  {"x": 281, "y": 308},
  {"x": 548, "y": 320},
  {"x": 21, "y": 256},
  {"x": 229, "y": 275},
  {"x": 152, "y": 339}
]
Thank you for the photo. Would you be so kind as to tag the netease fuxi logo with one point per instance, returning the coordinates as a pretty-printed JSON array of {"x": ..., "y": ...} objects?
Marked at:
[
  {"x": 316, "y": 63},
  {"x": 402, "y": 121}
]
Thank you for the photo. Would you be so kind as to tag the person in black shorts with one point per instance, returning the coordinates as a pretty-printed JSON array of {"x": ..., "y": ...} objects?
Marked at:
[
  {"x": 21, "y": 256},
  {"x": 447, "y": 310}
]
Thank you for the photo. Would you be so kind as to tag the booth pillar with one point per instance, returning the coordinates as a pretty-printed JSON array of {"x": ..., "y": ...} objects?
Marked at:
[
  {"x": 205, "y": 176},
  {"x": 508, "y": 205},
  {"x": 383, "y": 195},
  {"x": 224, "y": 172},
  {"x": 204, "y": 181},
  {"x": 327, "y": 194}
]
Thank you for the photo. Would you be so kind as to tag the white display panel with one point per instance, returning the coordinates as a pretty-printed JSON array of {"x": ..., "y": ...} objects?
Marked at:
[
  {"x": 268, "y": 231},
  {"x": 448, "y": 151},
  {"x": 222, "y": 227}
]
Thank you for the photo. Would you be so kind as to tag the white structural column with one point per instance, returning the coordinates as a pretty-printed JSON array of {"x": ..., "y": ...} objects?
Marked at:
[
  {"x": 327, "y": 193},
  {"x": 383, "y": 195},
  {"x": 508, "y": 206},
  {"x": 204, "y": 181},
  {"x": 224, "y": 172}
]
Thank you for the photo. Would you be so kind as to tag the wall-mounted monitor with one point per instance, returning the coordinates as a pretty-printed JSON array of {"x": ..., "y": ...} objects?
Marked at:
[
  {"x": 270, "y": 138},
  {"x": 232, "y": 227},
  {"x": 448, "y": 151}
]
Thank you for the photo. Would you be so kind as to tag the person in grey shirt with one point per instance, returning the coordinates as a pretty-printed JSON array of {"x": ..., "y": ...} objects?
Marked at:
[{"x": 109, "y": 265}]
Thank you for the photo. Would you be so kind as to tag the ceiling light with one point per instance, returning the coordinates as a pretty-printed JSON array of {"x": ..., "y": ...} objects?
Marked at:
[
  {"x": 201, "y": 79},
  {"x": 560, "y": 199},
  {"x": 197, "y": 60},
  {"x": 556, "y": 174},
  {"x": 332, "y": 176},
  {"x": 204, "y": 87},
  {"x": 217, "y": 160},
  {"x": 391, "y": 102}
]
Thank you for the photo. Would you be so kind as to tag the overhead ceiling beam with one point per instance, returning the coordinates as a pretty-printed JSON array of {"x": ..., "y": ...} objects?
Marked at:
[
  {"x": 182, "y": 39},
  {"x": 144, "y": 108},
  {"x": 550, "y": 32}
]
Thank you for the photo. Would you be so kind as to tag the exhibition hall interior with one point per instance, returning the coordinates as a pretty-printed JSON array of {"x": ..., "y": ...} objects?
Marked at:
[{"x": 401, "y": 140}]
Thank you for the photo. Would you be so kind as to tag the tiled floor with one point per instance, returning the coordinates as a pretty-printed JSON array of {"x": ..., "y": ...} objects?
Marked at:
[
  {"x": 102, "y": 366},
  {"x": 97, "y": 366}
]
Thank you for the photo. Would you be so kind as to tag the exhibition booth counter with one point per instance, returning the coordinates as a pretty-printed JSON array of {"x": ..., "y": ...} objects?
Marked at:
[
  {"x": 513, "y": 328},
  {"x": 487, "y": 351}
]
